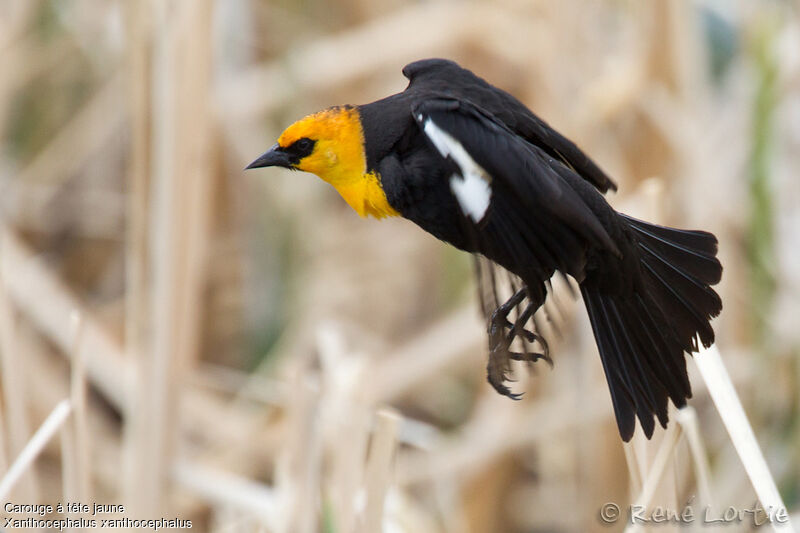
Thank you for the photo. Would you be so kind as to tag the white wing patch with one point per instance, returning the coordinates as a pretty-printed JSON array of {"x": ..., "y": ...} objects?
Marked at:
[
  {"x": 473, "y": 195},
  {"x": 472, "y": 188}
]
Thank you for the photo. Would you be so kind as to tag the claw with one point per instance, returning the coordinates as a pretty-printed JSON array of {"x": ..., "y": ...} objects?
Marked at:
[
  {"x": 503, "y": 390},
  {"x": 502, "y": 333},
  {"x": 529, "y": 335},
  {"x": 497, "y": 382},
  {"x": 530, "y": 357}
]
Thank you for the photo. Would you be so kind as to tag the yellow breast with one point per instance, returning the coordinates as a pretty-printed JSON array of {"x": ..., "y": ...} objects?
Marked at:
[{"x": 366, "y": 196}]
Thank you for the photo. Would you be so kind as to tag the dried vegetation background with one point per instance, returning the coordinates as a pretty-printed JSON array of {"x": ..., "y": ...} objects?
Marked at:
[{"x": 243, "y": 351}]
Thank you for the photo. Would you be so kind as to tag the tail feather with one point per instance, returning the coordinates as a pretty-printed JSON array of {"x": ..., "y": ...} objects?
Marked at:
[
  {"x": 656, "y": 391},
  {"x": 642, "y": 337},
  {"x": 676, "y": 379},
  {"x": 620, "y": 387},
  {"x": 671, "y": 297},
  {"x": 680, "y": 272},
  {"x": 700, "y": 243},
  {"x": 648, "y": 389}
]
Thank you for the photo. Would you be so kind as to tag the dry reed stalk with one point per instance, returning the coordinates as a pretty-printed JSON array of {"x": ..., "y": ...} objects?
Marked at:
[
  {"x": 640, "y": 447},
  {"x": 379, "y": 469},
  {"x": 687, "y": 418},
  {"x": 634, "y": 471},
  {"x": 730, "y": 409},
  {"x": 52, "y": 385},
  {"x": 3, "y": 446},
  {"x": 347, "y": 470},
  {"x": 179, "y": 200},
  {"x": 79, "y": 425},
  {"x": 348, "y": 418},
  {"x": 74, "y": 446},
  {"x": 151, "y": 416},
  {"x": 298, "y": 466},
  {"x": 14, "y": 377},
  {"x": 137, "y": 258},
  {"x": 34, "y": 447},
  {"x": 196, "y": 132},
  {"x": 222, "y": 489},
  {"x": 136, "y": 228},
  {"x": 70, "y": 469},
  {"x": 653, "y": 481}
]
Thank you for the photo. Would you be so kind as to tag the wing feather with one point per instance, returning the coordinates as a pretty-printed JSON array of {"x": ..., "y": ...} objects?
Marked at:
[
  {"x": 447, "y": 77},
  {"x": 512, "y": 165}
]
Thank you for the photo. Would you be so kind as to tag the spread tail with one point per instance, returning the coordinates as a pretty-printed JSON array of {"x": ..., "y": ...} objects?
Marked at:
[{"x": 642, "y": 338}]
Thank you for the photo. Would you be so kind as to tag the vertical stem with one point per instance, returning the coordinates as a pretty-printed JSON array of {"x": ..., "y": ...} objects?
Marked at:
[
  {"x": 663, "y": 457},
  {"x": 69, "y": 466},
  {"x": 136, "y": 257},
  {"x": 79, "y": 425},
  {"x": 298, "y": 466},
  {"x": 730, "y": 409},
  {"x": 174, "y": 131},
  {"x": 380, "y": 468},
  {"x": 687, "y": 417},
  {"x": 14, "y": 383},
  {"x": 3, "y": 446}
]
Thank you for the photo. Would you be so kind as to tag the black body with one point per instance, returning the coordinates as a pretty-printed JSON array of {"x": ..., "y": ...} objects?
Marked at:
[{"x": 646, "y": 287}]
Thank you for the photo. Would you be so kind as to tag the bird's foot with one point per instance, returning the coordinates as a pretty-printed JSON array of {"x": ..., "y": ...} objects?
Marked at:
[
  {"x": 531, "y": 357},
  {"x": 502, "y": 333},
  {"x": 497, "y": 370}
]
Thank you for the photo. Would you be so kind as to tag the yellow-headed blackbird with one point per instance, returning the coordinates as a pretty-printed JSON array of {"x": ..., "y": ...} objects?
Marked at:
[{"x": 471, "y": 165}]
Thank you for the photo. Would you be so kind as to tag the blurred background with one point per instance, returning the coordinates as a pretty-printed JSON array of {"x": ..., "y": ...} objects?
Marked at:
[{"x": 258, "y": 358}]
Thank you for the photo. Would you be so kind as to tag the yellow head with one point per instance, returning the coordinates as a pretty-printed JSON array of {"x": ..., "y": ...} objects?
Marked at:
[{"x": 330, "y": 144}]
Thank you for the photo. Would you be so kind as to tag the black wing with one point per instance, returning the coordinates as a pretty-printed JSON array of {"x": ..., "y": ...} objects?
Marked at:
[
  {"x": 519, "y": 208},
  {"x": 536, "y": 222},
  {"x": 448, "y": 78}
]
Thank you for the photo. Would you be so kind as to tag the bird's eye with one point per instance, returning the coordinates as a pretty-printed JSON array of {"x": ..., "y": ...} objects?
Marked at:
[{"x": 304, "y": 145}]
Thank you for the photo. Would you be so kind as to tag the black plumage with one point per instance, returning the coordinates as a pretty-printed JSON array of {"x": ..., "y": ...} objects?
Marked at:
[{"x": 646, "y": 287}]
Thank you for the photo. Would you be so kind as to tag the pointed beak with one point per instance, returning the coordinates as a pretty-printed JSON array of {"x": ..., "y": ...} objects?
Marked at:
[{"x": 274, "y": 157}]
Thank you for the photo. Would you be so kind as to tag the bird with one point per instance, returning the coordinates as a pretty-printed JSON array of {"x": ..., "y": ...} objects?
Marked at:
[{"x": 471, "y": 165}]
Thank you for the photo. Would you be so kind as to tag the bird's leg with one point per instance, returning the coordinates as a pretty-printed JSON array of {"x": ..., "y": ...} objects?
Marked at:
[
  {"x": 500, "y": 342},
  {"x": 499, "y": 319},
  {"x": 499, "y": 364},
  {"x": 518, "y": 329}
]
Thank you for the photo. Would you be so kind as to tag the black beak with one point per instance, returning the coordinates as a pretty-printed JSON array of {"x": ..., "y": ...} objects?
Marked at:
[{"x": 274, "y": 157}]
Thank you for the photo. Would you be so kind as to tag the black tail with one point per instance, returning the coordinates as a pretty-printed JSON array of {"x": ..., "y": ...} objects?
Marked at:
[{"x": 642, "y": 338}]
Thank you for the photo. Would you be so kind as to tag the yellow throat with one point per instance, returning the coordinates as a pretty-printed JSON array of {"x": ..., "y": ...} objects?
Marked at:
[{"x": 339, "y": 158}]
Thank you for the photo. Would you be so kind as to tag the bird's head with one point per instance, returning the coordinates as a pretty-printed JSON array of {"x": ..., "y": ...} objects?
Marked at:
[{"x": 329, "y": 143}]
